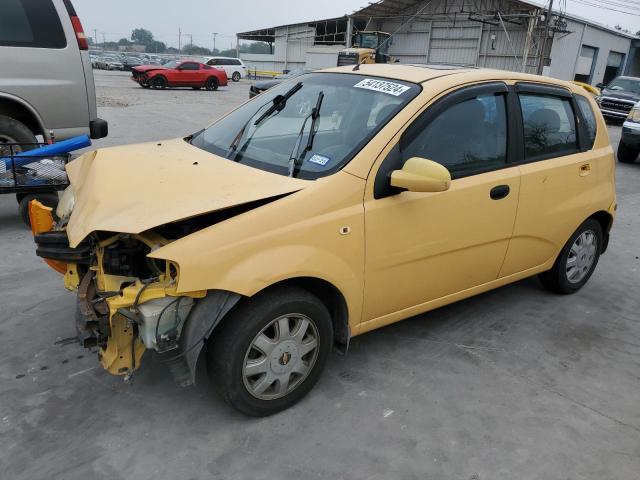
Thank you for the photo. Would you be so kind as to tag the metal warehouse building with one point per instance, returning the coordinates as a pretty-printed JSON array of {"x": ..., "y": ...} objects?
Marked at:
[{"x": 502, "y": 34}]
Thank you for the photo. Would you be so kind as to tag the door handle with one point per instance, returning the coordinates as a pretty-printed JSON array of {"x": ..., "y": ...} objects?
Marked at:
[
  {"x": 499, "y": 192},
  {"x": 585, "y": 169}
]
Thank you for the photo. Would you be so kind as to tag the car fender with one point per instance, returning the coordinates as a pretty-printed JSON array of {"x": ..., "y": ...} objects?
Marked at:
[
  {"x": 317, "y": 232},
  {"x": 30, "y": 109}
]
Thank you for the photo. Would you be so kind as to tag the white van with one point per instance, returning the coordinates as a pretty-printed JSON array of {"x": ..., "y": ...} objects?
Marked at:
[{"x": 233, "y": 66}]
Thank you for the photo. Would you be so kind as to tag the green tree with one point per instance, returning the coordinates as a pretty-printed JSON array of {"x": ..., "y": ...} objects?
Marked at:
[
  {"x": 155, "y": 47},
  {"x": 195, "y": 50},
  {"x": 125, "y": 42},
  {"x": 141, "y": 36}
]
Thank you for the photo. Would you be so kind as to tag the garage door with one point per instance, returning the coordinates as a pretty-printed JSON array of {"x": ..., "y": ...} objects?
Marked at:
[{"x": 457, "y": 45}]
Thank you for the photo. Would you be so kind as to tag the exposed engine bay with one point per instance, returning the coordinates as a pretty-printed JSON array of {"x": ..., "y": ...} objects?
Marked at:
[{"x": 127, "y": 302}]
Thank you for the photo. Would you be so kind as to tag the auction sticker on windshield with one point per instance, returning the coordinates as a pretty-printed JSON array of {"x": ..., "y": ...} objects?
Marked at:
[{"x": 392, "y": 88}]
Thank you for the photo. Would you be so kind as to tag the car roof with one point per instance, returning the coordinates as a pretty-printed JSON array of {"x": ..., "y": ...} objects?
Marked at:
[{"x": 419, "y": 73}]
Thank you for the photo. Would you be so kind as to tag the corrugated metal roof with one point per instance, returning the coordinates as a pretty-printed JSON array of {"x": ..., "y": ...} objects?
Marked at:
[{"x": 395, "y": 7}]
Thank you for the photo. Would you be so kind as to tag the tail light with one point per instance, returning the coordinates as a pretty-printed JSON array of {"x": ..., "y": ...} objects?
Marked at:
[{"x": 83, "y": 44}]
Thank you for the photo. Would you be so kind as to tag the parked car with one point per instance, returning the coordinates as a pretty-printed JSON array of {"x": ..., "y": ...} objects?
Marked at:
[
  {"x": 233, "y": 67},
  {"x": 109, "y": 63},
  {"x": 129, "y": 62},
  {"x": 618, "y": 97},
  {"x": 260, "y": 86},
  {"x": 47, "y": 90},
  {"x": 325, "y": 208},
  {"x": 179, "y": 74},
  {"x": 629, "y": 145}
]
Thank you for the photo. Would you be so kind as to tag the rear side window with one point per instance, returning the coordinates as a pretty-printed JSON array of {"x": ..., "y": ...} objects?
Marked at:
[
  {"x": 469, "y": 137},
  {"x": 30, "y": 23},
  {"x": 190, "y": 66},
  {"x": 549, "y": 126},
  {"x": 234, "y": 62},
  {"x": 589, "y": 118}
]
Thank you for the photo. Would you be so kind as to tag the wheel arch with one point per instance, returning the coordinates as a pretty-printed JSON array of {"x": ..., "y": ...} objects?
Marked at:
[
  {"x": 605, "y": 219},
  {"x": 330, "y": 296},
  {"x": 22, "y": 111}
]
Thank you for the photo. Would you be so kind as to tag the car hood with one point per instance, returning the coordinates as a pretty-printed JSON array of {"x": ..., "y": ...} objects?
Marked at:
[
  {"x": 133, "y": 188},
  {"x": 147, "y": 68},
  {"x": 621, "y": 95}
]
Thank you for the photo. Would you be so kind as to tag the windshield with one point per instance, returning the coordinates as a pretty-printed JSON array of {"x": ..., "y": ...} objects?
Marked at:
[
  {"x": 625, "y": 85},
  {"x": 353, "y": 109},
  {"x": 171, "y": 64}
]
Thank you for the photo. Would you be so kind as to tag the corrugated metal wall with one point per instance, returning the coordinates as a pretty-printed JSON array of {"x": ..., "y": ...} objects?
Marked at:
[{"x": 442, "y": 34}]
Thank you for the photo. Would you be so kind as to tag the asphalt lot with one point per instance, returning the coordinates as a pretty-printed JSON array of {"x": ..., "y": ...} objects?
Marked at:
[{"x": 516, "y": 383}]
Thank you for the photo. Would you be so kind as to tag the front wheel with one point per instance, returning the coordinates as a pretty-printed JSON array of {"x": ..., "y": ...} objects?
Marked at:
[
  {"x": 159, "y": 82},
  {"x": 577, "y": 260},
  {"x": 271, "y": 350},
  {"x": 627, "y": 154}
]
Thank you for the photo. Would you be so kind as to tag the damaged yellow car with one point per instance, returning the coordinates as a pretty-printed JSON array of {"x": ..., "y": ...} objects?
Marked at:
[{"x": 333, "y": 204}]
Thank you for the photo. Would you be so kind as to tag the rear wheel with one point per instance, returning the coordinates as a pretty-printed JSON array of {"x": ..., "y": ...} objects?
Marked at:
[
  {"x": 47, "y": 199},
  {"x": 627, "y": 154},
  {"x": 212, "y": 84},
  {"x": 159, "y": 82},
  {"x": 270, "y": 351},
  {"x": 236, "y": 76},
  {"x": 13, "y": 131},
  {"x": 577, "y": 260}
]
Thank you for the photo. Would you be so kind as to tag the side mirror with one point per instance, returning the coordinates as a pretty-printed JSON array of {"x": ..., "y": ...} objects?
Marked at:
[
  {"x": 421, "y": 175},
  {"x": 600, "y": 85}
]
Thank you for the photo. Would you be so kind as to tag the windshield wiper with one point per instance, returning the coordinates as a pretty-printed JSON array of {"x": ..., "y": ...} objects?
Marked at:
[
  {"x": 279, "y": 103},
  {"x": 296, "y": 158}
]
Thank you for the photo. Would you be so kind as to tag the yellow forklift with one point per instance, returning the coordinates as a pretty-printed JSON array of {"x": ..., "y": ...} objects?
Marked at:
[{"x": 368, "y": 47}]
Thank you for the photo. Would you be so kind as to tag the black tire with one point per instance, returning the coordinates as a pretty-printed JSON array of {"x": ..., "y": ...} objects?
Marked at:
[
  {"x": 13, "y": 131},
  {"x": 211, "y": 84},
  {"x": 627, "y": 154},
  {"x": 145, "y": 85},
  {"x": 236, "y": 76},
  {"x": 231, "y": 344},
  {"x": 47, "y": 199},
  {"x": 557, "y": 280},
  {"x": 158, "y": 82}
]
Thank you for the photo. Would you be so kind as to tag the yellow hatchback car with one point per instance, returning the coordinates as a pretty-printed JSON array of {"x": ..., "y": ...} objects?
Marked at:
[{"x": 333, "y": 204}]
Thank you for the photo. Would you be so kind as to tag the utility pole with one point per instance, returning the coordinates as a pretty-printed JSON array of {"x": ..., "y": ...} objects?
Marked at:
[
  {"x": 179, "y": 40},
  {"x": 95, "y": 36},
  {"x": 215, "y": 34},
  {"x": 547, "y": 24},
  {"x": 237, "y": 46},
  {"x": 191, "y": 39}
]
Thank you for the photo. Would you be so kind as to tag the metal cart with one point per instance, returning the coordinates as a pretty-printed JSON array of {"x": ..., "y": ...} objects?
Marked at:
[{"x": 32, "y": 176}]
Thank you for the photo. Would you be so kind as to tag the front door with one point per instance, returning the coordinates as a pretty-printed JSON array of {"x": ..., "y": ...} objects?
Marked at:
[{"x": 424, "y": 246}]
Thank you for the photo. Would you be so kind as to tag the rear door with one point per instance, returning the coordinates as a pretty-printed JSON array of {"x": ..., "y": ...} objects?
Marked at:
[
  {"x": 558, "y": 176},
  {"x": 42, "y": 64}
]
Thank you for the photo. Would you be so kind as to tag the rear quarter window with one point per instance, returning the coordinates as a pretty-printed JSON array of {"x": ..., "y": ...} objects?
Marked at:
[
  {"x": 30, "y": 23},
  {"x": 589, "y": 118}
]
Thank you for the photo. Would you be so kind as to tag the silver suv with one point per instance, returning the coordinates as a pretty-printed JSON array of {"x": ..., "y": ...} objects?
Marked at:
[{"x": 46, "y": 82}]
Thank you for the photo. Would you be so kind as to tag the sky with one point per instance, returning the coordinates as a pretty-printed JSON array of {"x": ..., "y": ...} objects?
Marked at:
[{"x": 114, "y": 19}]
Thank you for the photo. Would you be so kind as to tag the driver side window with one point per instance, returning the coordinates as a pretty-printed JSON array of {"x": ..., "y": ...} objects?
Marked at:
[{"x": 468, "y": 137}]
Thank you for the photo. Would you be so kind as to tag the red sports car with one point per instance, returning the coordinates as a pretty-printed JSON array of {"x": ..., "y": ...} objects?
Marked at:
[{"x": 179, "y": 74}]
